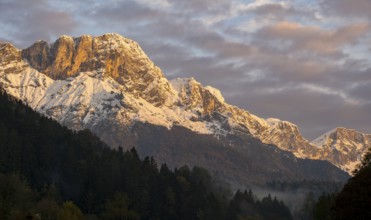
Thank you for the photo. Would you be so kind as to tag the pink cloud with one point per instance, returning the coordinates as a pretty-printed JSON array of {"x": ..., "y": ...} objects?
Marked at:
[{"x": 314, "y": 38}]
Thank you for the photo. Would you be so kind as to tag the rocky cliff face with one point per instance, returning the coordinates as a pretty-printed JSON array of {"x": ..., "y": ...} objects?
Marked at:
[
  {"x": 107, "y": 84},
  {"x": 288, "y": 137},
  {"x": 193, "y": 96},
  {"x": 10, "y": 59},
  {"x": 110, "y": 54},
  {"x": 344, "y": 147}
]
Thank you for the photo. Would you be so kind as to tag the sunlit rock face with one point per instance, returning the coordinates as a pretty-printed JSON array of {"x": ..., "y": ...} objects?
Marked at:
[
  {"x": 344, "y": 147},
  {"x": 111, "y": 55}
]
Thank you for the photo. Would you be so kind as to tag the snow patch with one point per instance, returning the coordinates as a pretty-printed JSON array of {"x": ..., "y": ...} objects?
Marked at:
[
  {"x": 322, "y": 140},
  {"x": 180, "y": 83}
]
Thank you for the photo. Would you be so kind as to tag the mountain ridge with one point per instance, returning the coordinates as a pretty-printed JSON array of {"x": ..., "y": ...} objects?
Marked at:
[{"x": 107, "y": 82}]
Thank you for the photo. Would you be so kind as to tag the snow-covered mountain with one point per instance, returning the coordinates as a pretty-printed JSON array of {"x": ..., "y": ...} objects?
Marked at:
[{"x": 107, "y": 84}]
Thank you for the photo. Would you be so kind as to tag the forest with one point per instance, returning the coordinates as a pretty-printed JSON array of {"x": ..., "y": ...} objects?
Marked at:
[{"x": 50, "y": 172}]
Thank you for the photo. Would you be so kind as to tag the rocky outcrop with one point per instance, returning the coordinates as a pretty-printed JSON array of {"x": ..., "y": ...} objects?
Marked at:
[
  {"x": 288, "y": 137},
  {"x": 10, "y": 59},
  {"x": 193, "y": 96},
  {"x": 8, "y": 53},
  {"x": 111, "y": 54},
  {"x": 344, "y": 147}
]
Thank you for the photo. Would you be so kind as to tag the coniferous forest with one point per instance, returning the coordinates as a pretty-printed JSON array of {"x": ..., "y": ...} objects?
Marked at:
[{"x": 50, "y": 172}]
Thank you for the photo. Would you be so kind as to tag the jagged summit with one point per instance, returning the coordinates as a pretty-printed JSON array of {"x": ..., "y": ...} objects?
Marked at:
[
  {"x": 110, "y": 55},
  {"x": 108, "y": 84},
  {"x": 7, "y": 49},
  {"x": 68, "y": 55},
  {"x": 5, "y": 43},
  {"x": 193, "y": 96},
  {"x": 340, "y": 133},
  {"x": 320, "y": 141},
  {"x": 10, "y": 58},
  {"x": 347, "y": 145}
]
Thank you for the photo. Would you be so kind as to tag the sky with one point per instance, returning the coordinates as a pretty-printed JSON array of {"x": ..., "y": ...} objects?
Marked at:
[{"x": 304, "y": 61}]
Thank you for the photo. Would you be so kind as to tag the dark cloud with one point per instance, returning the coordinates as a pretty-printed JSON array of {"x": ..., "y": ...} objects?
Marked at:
[
  {"x": 362, "y": 90},
  {"x": 313, "y": 111},
  {"x": 203, "y": 6},
  {"x": 341, "y": 8},
  {"x": 4, "y": 40},
  {"x": 124, "y": 12},
  {"x": 28, "y": 21},
  {"x": 281, "y": 12}
]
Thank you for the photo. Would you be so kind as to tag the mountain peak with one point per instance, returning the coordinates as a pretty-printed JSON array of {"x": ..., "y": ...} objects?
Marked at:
[
  {"x": 113, "y": 36},
  {"x": 348, "y": 144},
  {"x": 216, "y": 92},
  {"x": 10, "y": 58},
  {"x": 68, "y": 55},
  {"x": 65, "y": 37},
  {"x": 344, "y": 130},
  {"x": 194, "y": 96},
  {"x": 320, "y": 141},
  {"x": 4, "y": 44},
  {"x": 110, "y": 55},
  {"x": 183, "y": 83},
  {"x": 337, "y": 134},
  {"x": 7, "y": 48}
]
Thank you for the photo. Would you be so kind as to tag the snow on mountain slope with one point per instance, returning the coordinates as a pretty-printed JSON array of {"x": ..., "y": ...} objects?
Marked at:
[
  {"x": 287, "y": 137},
  {"x": 342, "y": 147},
  {"x": 108, "y": 82},
  {"x": 84, "y": 99},
  {"x": 321, "y": 140}
]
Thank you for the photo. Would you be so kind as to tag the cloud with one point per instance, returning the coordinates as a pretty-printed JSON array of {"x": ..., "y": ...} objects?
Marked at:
[
  {"x": 124, "y": 12},
  {"x": 341, "y": 8},
  {"x": 155, "y": 4},
  {"x": 265, "y": 12},
  {"x": 315, "y": 112},
  {"x": 28, "y": 21},
  {"x": 362, "y": 90},
  {"x": 279, "y": 10},
  {"x": 314, "y": 39},
  {"x": 201, "y": 5}
]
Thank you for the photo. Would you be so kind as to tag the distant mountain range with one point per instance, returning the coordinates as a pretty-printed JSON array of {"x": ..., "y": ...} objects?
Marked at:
[{"x": 107, "y": 84}]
